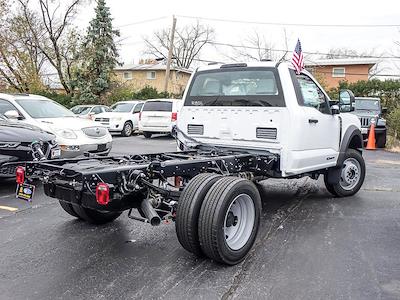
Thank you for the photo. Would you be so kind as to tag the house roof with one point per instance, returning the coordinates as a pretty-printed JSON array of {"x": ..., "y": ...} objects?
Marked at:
[
  {"x": 152, "y": 67},
  {"x": 342, "y": 62}
]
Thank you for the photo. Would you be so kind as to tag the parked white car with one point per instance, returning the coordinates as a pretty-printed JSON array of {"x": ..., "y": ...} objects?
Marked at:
[
  {"x": 159, "y": 116},
  {"x": 123, "y": 117},
  {"x": 75, "y": 135},
  {"x": 89, "y": 111}
]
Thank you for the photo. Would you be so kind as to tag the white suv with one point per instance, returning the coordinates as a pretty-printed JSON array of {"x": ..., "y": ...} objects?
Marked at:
[
  {"x": 123, "y": 117},
  {"x": 159, "y": 116},
  {"x": 75, "y": 135}
]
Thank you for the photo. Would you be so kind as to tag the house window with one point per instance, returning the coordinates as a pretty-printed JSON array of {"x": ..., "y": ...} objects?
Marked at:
[
  {"x": 151, "y": 75},
  {"x": 338, "y": 72},
  {"x": 127, "y": 75}
]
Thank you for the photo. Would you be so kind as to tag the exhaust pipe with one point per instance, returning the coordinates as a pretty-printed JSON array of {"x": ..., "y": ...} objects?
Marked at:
[{"x": 149, "y": 212}]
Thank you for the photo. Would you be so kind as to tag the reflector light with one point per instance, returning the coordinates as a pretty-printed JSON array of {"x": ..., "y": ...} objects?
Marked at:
[
  {"x": 102, "y": 193},
  {"x": 20, "y": 175},
  {"x": 174, "y": 116}
]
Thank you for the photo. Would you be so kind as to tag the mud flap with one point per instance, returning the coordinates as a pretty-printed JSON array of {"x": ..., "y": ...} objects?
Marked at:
[{"x": 334, "y": 175}]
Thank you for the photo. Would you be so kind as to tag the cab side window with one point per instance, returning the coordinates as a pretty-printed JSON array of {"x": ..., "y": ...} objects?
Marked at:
[{"x": 312, "y": 94}]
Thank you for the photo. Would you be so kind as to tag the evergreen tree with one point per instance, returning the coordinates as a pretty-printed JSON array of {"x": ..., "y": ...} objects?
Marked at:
[{"x": 98, "y": 57}]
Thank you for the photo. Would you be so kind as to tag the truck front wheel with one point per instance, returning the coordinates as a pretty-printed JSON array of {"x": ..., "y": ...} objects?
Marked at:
[
  {"x": 229, "y": 220},
  {"x": 352, "y": 175},
  {"x": 95, "y": 216}
]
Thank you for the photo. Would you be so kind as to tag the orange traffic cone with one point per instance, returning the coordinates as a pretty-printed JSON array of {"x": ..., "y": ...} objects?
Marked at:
[{"x": 371, "y": 144}]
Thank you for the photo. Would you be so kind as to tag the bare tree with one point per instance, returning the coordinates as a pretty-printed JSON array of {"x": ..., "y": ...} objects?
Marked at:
[
  {"x": 254, "y": 47},
  {"x": 188, "y": 43},
  {"x": 20, "y": 60},
  {"x": 53, "y": 38}
]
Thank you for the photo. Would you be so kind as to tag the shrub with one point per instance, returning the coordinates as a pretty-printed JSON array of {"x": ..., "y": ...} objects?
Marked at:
[{"x": 394, "y": 122}]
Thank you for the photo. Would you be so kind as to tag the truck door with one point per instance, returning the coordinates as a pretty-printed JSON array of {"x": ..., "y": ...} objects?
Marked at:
[{"x": 318, "y": 137}]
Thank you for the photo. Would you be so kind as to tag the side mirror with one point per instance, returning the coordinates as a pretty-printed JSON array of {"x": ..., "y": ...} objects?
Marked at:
[
  {"x": 12, "y": 115},
  {"x": 384, "y": 110},
  {"x": 346, "y": 101},
  {"x": 335, "y": 109}
]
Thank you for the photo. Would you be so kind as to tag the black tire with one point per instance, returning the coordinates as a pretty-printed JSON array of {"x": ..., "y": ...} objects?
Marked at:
[
  {"x": 68, "y": 208},
  {"x": 338, "y": 189},
  {"x": 147, "y": 134},
  {"x": 127, "y": 130},
  {"x": 381, "y": 140},
  {"x": 188, "y": 211},
  {"x": 94, "y": 216},
  {"x": 216, "y": 206}
]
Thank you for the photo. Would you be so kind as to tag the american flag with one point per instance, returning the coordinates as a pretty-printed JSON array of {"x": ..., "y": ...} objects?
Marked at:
[{"x": 298, "y": 59}]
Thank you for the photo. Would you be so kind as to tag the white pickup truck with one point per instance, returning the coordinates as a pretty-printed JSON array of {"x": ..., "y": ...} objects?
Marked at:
[{"x": 239, "y": 124}]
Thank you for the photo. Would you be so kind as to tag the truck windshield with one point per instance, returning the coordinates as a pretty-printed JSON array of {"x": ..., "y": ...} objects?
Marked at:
[
  {"x": 238, "y": 87},
  {"x": 367, "y": 104}
]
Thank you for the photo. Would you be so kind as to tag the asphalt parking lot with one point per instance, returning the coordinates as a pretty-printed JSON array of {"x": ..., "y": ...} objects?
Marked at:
[{"x": 310, "y": 246}]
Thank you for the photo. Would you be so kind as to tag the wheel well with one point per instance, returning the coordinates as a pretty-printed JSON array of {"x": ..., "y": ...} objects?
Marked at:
[{"x": 355, "y": 143}]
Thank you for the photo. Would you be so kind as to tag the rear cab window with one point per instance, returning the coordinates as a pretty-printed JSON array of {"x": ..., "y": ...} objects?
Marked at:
[
  {"x": 157, "y": 106},
  {"x": 239, "y": 86}
]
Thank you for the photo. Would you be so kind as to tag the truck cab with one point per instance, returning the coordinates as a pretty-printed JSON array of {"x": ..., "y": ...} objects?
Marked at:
[{"x": 264, "y": 106}]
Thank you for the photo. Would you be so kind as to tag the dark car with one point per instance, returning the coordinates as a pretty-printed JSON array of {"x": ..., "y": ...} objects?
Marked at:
[{"x": 22, "y": 142}]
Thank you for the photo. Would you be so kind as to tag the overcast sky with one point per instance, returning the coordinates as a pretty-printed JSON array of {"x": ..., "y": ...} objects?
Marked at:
[{"x": 380, "y": 40}]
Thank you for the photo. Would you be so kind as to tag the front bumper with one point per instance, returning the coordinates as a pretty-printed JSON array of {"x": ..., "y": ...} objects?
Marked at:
[{"x": 70, "y": 151}]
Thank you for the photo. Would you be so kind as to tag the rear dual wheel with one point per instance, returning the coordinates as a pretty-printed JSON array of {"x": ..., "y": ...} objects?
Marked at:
[
  {"x": 90, "y": 215},
  {"x": 227, "y": 220}
]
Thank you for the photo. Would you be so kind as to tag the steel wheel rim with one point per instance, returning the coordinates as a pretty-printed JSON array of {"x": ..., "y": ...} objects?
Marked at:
[
  {"x": 128, "y": 129},
  {"x": 351, "y": 174},
  {"x": 239, "y": 221}
]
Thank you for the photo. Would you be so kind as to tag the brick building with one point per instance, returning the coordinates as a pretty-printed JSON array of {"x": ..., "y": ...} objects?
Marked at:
[
  {"x": 141, "y": 75},
  {"x": 331, "y": 71}
]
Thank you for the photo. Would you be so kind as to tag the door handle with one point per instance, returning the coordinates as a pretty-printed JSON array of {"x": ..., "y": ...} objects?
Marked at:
[{"x": 315, "y": 121}]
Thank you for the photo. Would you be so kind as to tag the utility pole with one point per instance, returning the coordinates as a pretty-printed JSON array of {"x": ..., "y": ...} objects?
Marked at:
[{"x": 171, "y": 46}]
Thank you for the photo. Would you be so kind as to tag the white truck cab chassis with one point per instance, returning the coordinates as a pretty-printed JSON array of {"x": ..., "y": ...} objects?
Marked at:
[{"x": 239, "y": 124}]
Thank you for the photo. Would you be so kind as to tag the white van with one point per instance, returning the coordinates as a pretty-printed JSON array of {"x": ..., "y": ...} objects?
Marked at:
[{"x": 159, "y": 116}]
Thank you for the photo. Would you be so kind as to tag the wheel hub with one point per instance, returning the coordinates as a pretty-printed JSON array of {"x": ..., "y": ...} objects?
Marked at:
[
  {"x": 239, "y": 221},
  {"x": 350, "y": 174},
  {"x": 231, "y": 220}
]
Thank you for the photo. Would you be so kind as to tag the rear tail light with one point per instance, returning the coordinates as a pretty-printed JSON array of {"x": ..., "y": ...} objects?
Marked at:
[
  {"x": 102, "y": 193},
  {"x": 174, "y": 116},
  {"x": 140, "y": 116},
  {"x": 20, "y": 175}
]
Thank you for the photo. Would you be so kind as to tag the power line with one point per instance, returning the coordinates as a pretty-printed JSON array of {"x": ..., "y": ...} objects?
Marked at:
[
  {"x": 141, "y": 22},
  {"x": 357, "y": 74},
  {"x": 305, "y": 52},
  {"x": 289, "y": 24}
]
